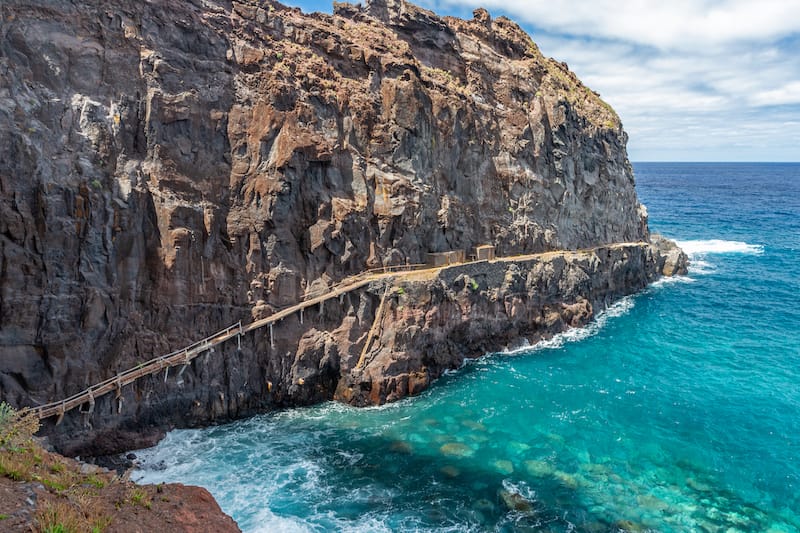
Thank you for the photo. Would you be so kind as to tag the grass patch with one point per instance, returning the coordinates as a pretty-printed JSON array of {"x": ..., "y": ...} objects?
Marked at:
[
  {"x": 59, "y": 517},
  {"x": 64, "y": 516},
  {"x": 16, "y": 427},
  {"x": 562, "y": 83},
  {"x": 95, "y": 481},
  {"x": 53, "y": 485},
  {"x": 70, "y": 505},
  {"x": 140, "y": 497}
]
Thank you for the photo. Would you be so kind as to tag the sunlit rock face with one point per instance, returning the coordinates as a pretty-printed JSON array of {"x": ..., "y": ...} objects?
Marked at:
[{"x": 170, "y": 168}]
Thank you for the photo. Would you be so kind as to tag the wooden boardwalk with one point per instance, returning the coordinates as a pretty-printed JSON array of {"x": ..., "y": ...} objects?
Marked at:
[{"x": 184, "y": 356}]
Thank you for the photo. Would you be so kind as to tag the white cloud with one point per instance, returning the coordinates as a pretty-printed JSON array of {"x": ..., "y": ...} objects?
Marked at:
[
  {"x": 677, "y": 24},
  {"x": 784, "y": 95}
]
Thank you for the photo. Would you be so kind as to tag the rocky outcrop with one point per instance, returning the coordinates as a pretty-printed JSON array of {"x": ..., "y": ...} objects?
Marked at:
[
  {"x": 170, "y": 168},
  {"x": 673, "y": 261},
  {"x": 462, "y": 312},
  {"x": 42, "y": 491}
]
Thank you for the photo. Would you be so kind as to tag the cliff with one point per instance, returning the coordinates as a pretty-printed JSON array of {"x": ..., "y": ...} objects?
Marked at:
[{"x": 170, "y": 168}]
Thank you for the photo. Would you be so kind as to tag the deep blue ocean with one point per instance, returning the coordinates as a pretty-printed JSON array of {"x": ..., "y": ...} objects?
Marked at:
[{"x": 677, "y": 410}]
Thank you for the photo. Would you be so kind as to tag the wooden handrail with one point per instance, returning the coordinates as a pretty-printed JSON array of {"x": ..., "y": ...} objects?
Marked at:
[
  {"x": 146, "y": 368},
  {"x": 185, "y": 355}
]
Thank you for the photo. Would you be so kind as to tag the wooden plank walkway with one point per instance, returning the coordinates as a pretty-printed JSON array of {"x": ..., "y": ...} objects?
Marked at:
[{"x": 184, "y": 356}]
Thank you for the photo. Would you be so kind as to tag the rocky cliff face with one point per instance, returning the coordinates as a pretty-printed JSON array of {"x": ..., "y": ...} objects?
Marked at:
[
  {"x": 431, "y": 325},
  {"x": 170, "y": 168}
]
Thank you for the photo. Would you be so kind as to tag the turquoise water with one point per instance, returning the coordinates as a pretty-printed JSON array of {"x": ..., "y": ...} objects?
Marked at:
[{"x": 678, "y": 410}]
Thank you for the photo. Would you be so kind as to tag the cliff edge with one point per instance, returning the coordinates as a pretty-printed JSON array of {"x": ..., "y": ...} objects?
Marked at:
[{"x": 170, "y": 168}]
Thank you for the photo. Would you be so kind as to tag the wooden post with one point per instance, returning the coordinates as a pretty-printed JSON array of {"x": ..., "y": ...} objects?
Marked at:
[{"x": 61, "y": 412}]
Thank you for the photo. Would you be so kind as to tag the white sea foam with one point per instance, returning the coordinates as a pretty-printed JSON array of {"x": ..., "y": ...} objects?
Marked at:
[
  {"x": 718, "y": 246},
  {"x": 701, "y": 266},
  {"x": 618, "y": 309},
  {"x": 676, "y": 279},
  {"x": 270, "y": 522},
  {"x": 699, "y": 250}
]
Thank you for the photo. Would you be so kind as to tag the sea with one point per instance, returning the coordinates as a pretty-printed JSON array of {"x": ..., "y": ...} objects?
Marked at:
[{"x": 677, "y": 409}]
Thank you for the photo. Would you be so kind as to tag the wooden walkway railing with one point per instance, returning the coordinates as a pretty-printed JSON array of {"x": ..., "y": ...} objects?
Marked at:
[{"x": 186, "y": 355}]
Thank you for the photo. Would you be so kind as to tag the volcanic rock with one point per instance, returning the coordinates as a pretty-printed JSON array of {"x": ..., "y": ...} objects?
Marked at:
[{"x": 168, "y": 169}]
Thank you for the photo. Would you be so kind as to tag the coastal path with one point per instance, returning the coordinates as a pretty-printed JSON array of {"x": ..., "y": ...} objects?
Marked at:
[{"x": 184, "y": 356}]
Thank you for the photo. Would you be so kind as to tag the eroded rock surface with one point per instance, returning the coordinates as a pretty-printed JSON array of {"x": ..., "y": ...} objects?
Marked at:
[
  {"x": 429, "y": 326},
  {"x": 170, "y": 168}
]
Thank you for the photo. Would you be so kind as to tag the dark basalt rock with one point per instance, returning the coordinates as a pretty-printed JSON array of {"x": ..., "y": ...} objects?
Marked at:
[{"x": 170, "y": 168}]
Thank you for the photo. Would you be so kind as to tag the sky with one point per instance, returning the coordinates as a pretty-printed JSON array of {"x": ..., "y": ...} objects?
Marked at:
[{"x": 692, "y": 80}]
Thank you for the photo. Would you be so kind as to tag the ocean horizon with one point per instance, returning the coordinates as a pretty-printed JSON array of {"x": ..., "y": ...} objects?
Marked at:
[{"x": 676, "y": 409}]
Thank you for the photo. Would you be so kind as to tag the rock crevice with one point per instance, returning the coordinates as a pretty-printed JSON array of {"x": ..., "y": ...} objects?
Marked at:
[{"x": 170, "y": 168}]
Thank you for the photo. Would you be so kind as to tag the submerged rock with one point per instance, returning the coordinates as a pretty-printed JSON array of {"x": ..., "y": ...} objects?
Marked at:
[
  {"x": 568, "y": 480},
  {"x": 699, "y": 486},
  {"x": 518, "y": 447},
  {"x": 457, "y": 449},
  {"x": 168, "y": 169},
  {"x": 539, "y": 468},
  {"x": 400, "y": 446},
  {"x": 475, "y": 426},
  {"x": 504, "y": 467},
  {"x": 450, "y": 471},
  {"x": 629, "y": 526},
  {"x": 514, "y": 501},
  {"x": 484, "y": 505}
]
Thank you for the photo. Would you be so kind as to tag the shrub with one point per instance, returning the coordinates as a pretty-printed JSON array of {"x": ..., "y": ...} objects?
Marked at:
[{"x": 16, "y": 427}]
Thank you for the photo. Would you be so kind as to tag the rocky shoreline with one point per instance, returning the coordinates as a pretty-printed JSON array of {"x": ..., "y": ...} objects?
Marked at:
[
  {"x": 389, "y": 339},
  {"x": 170, "y": 168},
  {"x": 428, "y": 326},
  {"x": 46, "y": 490}
]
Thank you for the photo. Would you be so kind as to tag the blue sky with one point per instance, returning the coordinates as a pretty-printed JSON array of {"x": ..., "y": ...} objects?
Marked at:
[{"x": 692, "y": 80}]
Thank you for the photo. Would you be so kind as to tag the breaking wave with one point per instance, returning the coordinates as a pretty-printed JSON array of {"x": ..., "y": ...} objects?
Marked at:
[
  {"x": 718, "y": 246},
  {"x": 591, "y": 329}
]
